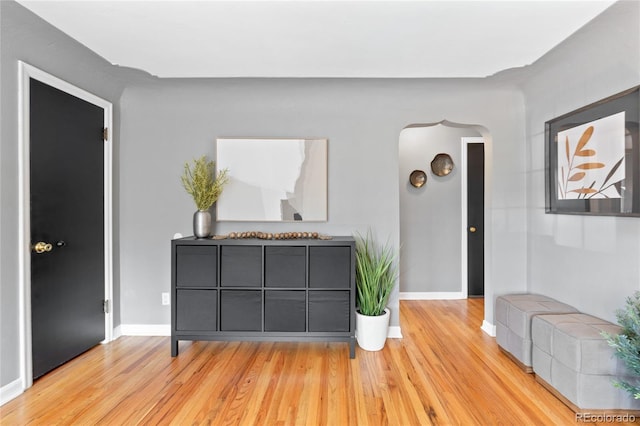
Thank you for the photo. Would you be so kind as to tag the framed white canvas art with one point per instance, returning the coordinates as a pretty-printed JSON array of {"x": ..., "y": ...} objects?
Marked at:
[{"x": 273, "y": 180}]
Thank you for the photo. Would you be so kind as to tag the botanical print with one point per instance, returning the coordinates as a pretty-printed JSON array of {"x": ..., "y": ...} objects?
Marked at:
[{"x": 591, "y": 159}]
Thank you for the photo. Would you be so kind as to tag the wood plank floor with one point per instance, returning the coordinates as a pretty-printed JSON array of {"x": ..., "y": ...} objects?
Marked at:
[{"x": 444, "y": 371}]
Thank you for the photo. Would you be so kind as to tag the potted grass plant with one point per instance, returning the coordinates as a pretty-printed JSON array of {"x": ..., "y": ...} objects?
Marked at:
[
  {"x": 205, "y": 187},
  {"x": 376, "y": 275}
]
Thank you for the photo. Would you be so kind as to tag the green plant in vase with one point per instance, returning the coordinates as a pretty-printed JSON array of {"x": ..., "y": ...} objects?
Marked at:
[
  {"x": 201, "y": 182},
  {"x": 627, "y": 342},
  {"x": 376, "y": 276}
]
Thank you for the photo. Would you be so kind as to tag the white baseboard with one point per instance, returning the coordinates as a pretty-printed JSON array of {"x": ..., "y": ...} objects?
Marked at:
[
  {"x": 10, "y": 391},
  {"x": 145, "y": 329},
  {"x": 117, "y": 332},
  {"x": 432, "y": 295},
  {"x": 394, "y": 332},
  {"x": 165, "y": 330},
  {"x": 488, "y": 328}
]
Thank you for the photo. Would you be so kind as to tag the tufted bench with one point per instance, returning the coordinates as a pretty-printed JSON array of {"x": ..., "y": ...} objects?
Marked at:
[
  {"x": 573, "y": 361},
  {"x": 513, "y": 323}
]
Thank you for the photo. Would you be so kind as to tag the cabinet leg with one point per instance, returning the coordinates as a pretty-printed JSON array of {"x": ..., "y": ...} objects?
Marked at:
[
  {"x": 174, "y": 347},
  {"x": 352, "y": 348}
]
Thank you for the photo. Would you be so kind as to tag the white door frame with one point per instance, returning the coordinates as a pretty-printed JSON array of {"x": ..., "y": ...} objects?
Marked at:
[
  {"x": 464, "y": 279},
  {"x": 26, "y": 72}
]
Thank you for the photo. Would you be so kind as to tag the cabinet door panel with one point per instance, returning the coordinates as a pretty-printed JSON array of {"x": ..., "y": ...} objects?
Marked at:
[
  {"x": 329, "y": 310},
  {"x": 196, "y": 266},
  {"x": 329, "y": 267},
  {"x": 196, "y": 310},
  {"x": 241, "y": 266},
  {"x": 285, "y": 266},
  {"x": 241, "y": 310},
  {"x": 284, "y": 310}
]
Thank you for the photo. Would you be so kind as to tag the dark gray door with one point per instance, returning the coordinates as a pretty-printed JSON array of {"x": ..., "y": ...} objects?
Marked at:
[
  {"x": 475, "y": 219},
  {"x": 67, "y": 218}
]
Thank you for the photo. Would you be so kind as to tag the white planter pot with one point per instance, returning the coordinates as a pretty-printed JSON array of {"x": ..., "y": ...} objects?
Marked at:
[{"x": 371, "y": 332}]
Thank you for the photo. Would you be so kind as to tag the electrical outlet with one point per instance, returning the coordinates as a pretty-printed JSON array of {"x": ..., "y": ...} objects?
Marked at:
[{"x": 165, "y": 299}]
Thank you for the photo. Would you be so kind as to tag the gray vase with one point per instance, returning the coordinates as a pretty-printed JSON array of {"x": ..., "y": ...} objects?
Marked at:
[{"x": 202, "y": 224}]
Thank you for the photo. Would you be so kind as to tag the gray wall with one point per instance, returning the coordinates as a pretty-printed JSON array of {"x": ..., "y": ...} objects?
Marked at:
[
  {"x": 167, "y": 122},
  {"x": 26, "y": 37},
  {"x": 431, "y": 216},
  {"x": 592, "y": 263}
]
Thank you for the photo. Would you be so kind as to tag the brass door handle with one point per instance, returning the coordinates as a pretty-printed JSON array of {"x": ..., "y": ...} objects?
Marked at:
[
  {"x": 41, "y": 247},
  {"x": 472, "y": 229}
]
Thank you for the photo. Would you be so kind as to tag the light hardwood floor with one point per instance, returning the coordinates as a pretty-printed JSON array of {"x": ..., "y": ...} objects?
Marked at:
[{"x": 444, "y": 371}]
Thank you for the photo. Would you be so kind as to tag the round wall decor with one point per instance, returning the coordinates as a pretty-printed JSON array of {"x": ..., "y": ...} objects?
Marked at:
[
  {"x": 417, "y": 178},
  {"x": 442, "y": 164}
]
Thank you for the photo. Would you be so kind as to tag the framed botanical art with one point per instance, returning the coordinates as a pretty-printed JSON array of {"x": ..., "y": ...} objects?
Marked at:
[{"x": 593, "y": 158}]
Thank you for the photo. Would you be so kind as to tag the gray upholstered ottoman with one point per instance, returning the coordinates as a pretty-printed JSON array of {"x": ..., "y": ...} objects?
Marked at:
[
  {"x": 572, "y": 360},
  {"x": 513, "y": 323}
]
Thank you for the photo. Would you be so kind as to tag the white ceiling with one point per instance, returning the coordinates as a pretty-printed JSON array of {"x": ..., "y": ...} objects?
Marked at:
[{"x": 319, "y": 38}]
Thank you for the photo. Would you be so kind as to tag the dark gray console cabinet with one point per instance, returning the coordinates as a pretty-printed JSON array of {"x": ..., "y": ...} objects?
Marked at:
[{"x": 251, "y": 289}]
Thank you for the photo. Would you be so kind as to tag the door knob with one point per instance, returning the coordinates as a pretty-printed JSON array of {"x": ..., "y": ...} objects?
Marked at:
[
  {"x": 472, "y": 229},
  {"x": 41, "y": 247}
]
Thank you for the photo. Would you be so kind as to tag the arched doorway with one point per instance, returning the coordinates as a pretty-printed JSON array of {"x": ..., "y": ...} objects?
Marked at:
[{"x": 433, "y": 217}]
